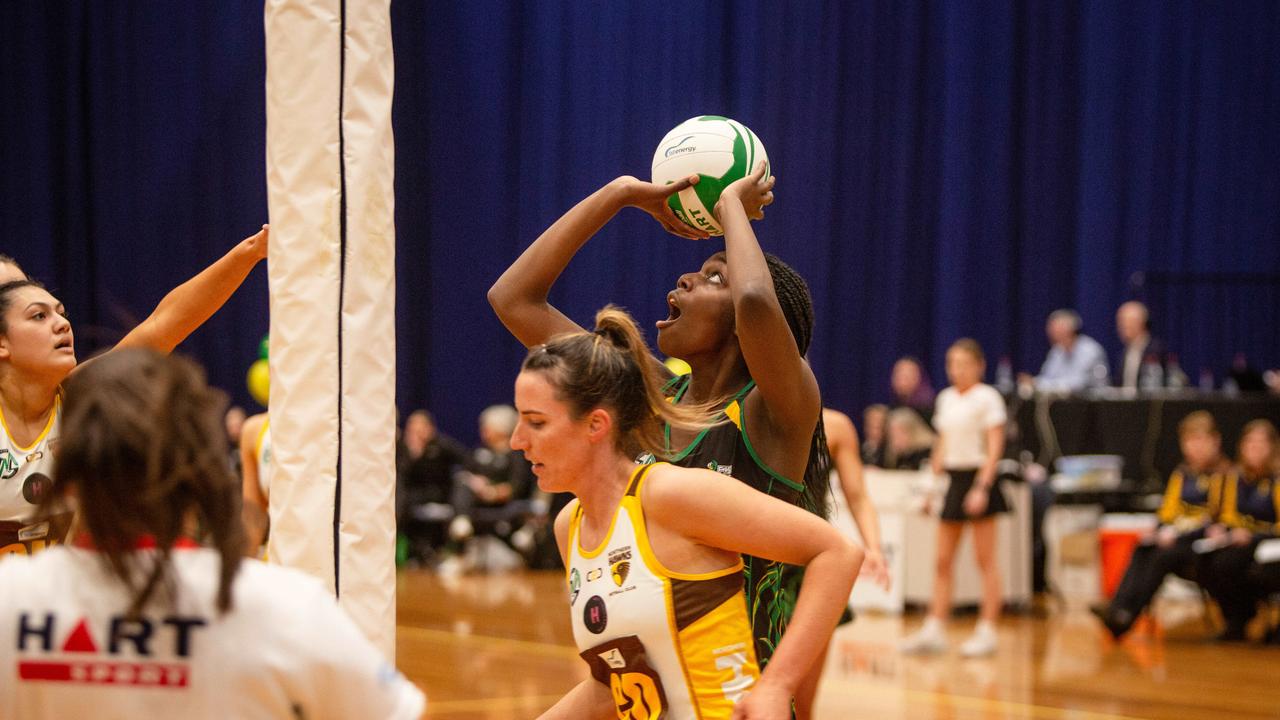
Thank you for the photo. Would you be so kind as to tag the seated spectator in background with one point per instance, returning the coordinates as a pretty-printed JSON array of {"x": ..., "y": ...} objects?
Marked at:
[
  {"x": 1250, "y": 507},
  {"x": 9, "y": 270},
  {"x": 1192, "y": 502},
  {"x": 1076, "y": 361},
  {"x": 909, "y": 441},
  {"x": 911, "y": 387},
  {"x": 254, "y": 460},
  {"x": 496, "y": 495},
  {"x": 1140, "y": 349},
  {"x": 426, "y": 465},
  {"x": 873, "y": 422}
]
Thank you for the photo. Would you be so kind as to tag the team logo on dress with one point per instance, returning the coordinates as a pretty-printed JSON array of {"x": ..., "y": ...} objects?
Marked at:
[
  {"x": 35, "y": 487},
  {"x": 594, "y": 574},
  {"x": 575, "y": 584},
  {"x": 594, "y": 615},
  {"x": 8, "y": 464},
  {"x": 35, "y": 456},
  {"x": 620, "y": 572}
]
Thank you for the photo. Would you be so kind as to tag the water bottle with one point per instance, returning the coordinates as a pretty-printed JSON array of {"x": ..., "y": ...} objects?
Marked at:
[
  {"x": 1150, "y": 376},
  {"x": 1004, "y": 376},
  {"x": 1177, "y": 379},
  {"x": 1206, "y": 380}
]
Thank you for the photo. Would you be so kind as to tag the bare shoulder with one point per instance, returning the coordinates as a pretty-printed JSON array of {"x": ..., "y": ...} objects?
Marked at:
[
  {"x": 670, "y": 488},
  {"x": 562, "y": 523},
  {"x": 838, "y": 426}
]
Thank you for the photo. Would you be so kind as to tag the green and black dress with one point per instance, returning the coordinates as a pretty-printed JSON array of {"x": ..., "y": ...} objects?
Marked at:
[{"x": 771, "y": 587}]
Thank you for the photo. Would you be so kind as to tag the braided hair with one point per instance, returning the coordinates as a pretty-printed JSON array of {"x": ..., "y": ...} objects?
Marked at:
[{"x": 797, "y": 308}]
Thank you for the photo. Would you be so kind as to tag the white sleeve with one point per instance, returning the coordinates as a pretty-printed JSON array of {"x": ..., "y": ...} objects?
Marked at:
[
  {"x": 995, "y": 413},
  {"x": 350, "y": 676}
]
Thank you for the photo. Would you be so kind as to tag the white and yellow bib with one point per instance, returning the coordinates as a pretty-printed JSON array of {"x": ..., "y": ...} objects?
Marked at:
[
  {"x": 669, "y": 645},
  {"x": 26, "y": 474}
]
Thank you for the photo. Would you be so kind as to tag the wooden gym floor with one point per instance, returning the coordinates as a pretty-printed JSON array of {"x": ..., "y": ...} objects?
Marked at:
[{"x": 499, "y": 646}]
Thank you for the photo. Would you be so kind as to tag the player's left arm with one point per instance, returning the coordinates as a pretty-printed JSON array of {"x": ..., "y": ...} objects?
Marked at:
[
  {"x": 189, "y": 305},
  {"x": 720, "y": 512},
  {"x": 786, "y": 384},
  {"x": 842, "y": 439}
]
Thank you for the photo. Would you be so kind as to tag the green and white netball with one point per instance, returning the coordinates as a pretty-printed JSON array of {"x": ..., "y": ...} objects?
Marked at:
[{"x": 719, "y": 151}]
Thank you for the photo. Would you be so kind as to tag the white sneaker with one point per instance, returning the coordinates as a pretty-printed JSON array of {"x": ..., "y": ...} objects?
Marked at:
[
  {"x": 981, "y": 643},
  {"x": 929, "y": 639},
  {"x": 460, "y": 528}
]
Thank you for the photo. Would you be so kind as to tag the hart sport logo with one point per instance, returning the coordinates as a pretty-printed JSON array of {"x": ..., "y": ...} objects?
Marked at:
[
  {"x": 8, "y": 464},
  {"x": 138, "y": 651}
]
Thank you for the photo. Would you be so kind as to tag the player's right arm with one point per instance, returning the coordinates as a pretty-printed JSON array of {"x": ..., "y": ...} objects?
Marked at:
[{"x": 520, "y": 296}]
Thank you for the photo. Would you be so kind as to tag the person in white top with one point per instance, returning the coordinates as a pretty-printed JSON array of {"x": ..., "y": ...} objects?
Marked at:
[
  {"x": 970, "y": 419},
  {"x": 37, "y": 353},
  {"x": 653, "y": 552},
  {"x": 152, "y": 612}
]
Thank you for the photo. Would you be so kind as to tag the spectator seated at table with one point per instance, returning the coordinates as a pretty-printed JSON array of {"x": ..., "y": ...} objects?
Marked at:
[
  {"x": 1192, "y": 502},
  {"x": 1075, "y": 362},
  {"x": 911, "y": 387},
  {"x": 1139, "y": 365},
  {"x": 1250, "y": 507},
  {"x": 909, "y": 442}
]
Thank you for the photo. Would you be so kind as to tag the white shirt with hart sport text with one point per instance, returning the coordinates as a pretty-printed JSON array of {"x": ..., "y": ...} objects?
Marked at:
[{"x": 285, "y": 650}]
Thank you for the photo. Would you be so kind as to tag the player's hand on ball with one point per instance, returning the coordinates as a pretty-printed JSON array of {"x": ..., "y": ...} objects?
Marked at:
[
  {"x": 755, "y": 191},
  {"x": 652, "y": 198}
]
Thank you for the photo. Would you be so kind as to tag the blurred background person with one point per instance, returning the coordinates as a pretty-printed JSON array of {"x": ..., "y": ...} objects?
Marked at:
[
  {"x": 1250, "y": 507},
  {"x": 234, "y": 421},
  {"x": 873, "y": 422},
  {"x": 1141, "y": 352},
  {"x": 427, "y": 464},
  {"x": 1075, "y": 361},
  {"x": 911, "y": 387},
  {"x": 908, "y": 441},
  {"x": 1192, "y": 503}
]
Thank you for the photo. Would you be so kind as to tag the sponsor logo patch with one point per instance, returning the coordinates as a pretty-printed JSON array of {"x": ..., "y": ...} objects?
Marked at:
[
  {"x": 594, "y": 615},
  {"x": 575, "y": 584},
  {"x": 8, "y": 464}
]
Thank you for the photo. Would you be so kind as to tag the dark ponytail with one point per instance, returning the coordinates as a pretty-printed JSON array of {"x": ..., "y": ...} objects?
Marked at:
[{"x": 143, "y": 449}]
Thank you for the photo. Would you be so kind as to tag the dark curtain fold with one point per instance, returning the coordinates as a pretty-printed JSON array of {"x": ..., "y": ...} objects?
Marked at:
[{"x": 945, "y": 169}]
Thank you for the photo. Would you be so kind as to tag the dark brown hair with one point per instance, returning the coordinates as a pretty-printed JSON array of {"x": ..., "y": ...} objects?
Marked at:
[
  {"x": 143, "y": 449},
  {"x": 6, "y": 298},
  {"x": 613, "y": 369}
]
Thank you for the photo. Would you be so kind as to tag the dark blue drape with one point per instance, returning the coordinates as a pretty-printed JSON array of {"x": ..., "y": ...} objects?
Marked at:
[{"x": 945, "y": 169}]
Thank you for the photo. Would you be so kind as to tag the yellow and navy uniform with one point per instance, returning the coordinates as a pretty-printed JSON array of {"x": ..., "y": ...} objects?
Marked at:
[
  {"x": 26, "y": 475},
  {"x": 669, "y": 645},
  {"x": 1252, "y": 503},
  {"x": 1193, "y": 499}
]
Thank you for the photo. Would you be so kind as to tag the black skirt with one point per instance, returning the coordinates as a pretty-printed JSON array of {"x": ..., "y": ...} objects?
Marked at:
[{"x": 961, "y": 482}]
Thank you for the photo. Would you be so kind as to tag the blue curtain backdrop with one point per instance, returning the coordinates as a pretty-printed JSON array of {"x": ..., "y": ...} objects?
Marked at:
[{"x": 945, "y": 169}]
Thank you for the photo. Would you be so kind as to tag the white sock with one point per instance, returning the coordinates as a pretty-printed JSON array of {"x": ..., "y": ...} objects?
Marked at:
[
  {"x": 933, "y": 626},
  {"x": 985, "y": 627}
]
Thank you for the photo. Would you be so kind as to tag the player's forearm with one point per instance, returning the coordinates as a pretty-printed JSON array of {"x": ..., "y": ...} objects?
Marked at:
[
  {"x": 828, "y": 579},
  {"x": 189, "y": 305},
  {"x": 588, "y": 699}
]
